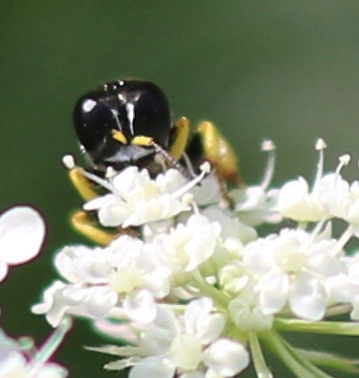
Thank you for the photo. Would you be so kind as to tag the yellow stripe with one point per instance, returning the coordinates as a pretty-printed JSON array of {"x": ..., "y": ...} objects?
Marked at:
[
  {"x": 142, "y": 140},
  {"x": 120, "y": 137}
]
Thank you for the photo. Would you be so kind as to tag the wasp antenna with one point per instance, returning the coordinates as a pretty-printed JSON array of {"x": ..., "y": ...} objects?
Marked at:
[{"x": 171, "y": 161}]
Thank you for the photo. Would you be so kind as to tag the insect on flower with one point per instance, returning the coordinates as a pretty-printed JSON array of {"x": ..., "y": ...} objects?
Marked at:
[{"x": 128, "y": 123}]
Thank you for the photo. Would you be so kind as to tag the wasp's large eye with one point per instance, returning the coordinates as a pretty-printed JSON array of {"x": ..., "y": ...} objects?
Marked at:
[
  {"x": 94, "y": 121},
  {"x": 149, "y": 108}
]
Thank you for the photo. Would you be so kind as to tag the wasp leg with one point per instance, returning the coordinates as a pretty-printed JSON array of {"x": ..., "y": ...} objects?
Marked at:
[
  {"x": 80, "y": 220},
  {"x": 219, "y": 153},
  {"x": 208, "y": 144},
  {"x": 82, "y": 223},
  {"x": 82, "y": 184},
  {"x": 179, "y": 137}
]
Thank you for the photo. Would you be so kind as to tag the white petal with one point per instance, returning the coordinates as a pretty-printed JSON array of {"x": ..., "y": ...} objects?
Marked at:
[
  {"x": 3, "y": 271},
  {"x": 22, "y": 232},
  {"x": 113, "y": 213},
  {"x": 130, "y": 181},
  {"x": 353, "y": 213},
  {"x": 201, "y": 323},
  {"x": 323, "y": 262},
  {"x": 99, "y": 202},
  {"x": 308, "y": 297},
  {"x": 140, "y": 306},
  {"x": 186, "y": 352},
  {"x": 273, "y": 292},
  {"x": 53, "y": 304},
  {"x": 340, "y": 288},
  {"x": 201, "y": 245},
  {"x": 81, "y": 263},
  {"x": 192, "y": 374},
  {"x": 14, "y": 365},
  {"x": 247, "y": 318},
  {"x": 208, "y": 192},
  {"x": 100, "y": 300},
  {"x": 157, "y": 338},
  {"x": 226, "y": 357},
  {"x": 51, "y": 370},
  {"x": 195, "y": 309},
  {"x": 153, "y": 367},
  {"x": 230, "y": 226},
  {"x": 295, "y": 202}
]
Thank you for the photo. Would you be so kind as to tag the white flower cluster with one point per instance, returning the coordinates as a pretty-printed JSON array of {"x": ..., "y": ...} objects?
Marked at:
[
  {"x": 22, "y": 232},
  {"x": 198, "y": 291}
]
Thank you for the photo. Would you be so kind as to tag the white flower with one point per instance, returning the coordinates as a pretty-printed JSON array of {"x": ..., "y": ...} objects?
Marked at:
[
  {"x": 126, "y": 273},
  {"x": 80, "y": 263},
  {"x": 225, "y": 358},
  {"x": 139, "y": 277},
  {"x": 137, "y": 199},
  {"x": 231, "y": 227},
  {"x": 254, "y": 205},
  {"x": 208, "y": 192},
  {"x": 290, "y": 269},
  {"x": 189, "y": 346},
  {"x": 344, "y": 287},
  {"x": 297, "y": 203},
  {"x": 75, "y": 299},
  {"x": 188, "y": 245},
  {"x": 331, "y": 195},
  {"x": 341, "y": 198},
  {"x": 22, "y": 232},
  {"x": 257, "y": 204},
  {"x": 247, "y": 316},
  {"x": 137, "y": 265}
]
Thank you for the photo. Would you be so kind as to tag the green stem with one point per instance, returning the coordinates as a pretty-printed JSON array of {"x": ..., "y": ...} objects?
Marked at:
[
  {"x": 209, "y": 290},
  {"x": 323, "y": 327},
  {"x": 50, "y": 346},
  {"x": 347, "y": 234},
  {"x": 297, "y": 364},
  {"x": 262, "y": 370}
]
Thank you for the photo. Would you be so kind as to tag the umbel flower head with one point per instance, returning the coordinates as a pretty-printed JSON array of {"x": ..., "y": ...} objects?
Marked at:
[{"x": 195, "y": 290}]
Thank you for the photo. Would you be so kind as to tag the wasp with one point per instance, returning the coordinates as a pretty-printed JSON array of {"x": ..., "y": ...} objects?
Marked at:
[{"x": 128, "y": 122}]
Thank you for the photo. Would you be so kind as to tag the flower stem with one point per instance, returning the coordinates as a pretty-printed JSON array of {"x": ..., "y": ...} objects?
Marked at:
[
  {"x": 295, "y": 362},
  {"x": 50, "y": 346},
  {"x": 262, "y": 370},
  {"x": 347, "y": 234},
  {"x": 323, "y": 327},
  {"x": 209, "y": 290}
]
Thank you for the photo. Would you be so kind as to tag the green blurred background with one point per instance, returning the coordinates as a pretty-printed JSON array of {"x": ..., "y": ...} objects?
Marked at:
[{"x": 284, "y": 70}]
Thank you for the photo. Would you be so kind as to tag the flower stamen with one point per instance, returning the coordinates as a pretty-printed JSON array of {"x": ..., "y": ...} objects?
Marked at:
[
  {"x": 269, "y": 147},
  {"x": 320, "y": 146},
  {"x": 344, "y": 160},
  {"x": 205, "y": 170}
]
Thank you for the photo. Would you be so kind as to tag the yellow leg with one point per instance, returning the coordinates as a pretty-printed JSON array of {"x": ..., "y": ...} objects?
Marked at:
[
  {"x": 90, "y": 229},
  {"x": 219, "y": 153},
  {"x": 81, "y": 221},
  {"x": 179, "y": 137},
  {"x": 82, "y": 184}
]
